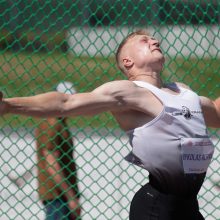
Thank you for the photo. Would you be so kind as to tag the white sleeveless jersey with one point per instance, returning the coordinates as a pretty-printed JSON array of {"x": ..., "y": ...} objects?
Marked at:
[{"x": 174, "y": 147}]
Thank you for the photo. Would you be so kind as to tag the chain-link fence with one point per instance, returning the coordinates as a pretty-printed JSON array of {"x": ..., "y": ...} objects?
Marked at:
[{"x": 45, "y": 42}]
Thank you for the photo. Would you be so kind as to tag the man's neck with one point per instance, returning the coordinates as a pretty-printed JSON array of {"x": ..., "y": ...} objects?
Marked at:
[{"x": 149, "y": 77}]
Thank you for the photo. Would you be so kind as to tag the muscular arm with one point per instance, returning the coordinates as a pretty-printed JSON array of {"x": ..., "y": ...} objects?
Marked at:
[
  {"x": 211, "y": 110},
  {"x": 108, "y": 97}
]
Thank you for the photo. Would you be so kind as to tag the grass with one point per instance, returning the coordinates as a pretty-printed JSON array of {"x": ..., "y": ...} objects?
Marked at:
[
  {"x": 24, "y": 74},
  {"x": 202, "y": 75}
]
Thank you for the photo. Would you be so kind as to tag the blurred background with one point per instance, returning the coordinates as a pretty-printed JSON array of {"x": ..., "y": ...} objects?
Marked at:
[{"x": 43, "y": 42}]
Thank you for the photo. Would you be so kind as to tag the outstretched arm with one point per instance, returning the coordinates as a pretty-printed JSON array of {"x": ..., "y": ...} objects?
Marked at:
[
  {"x": 108, "y": 97},
  {"x": 211, "y": 110},
  {"x": 55, "y": 104}
]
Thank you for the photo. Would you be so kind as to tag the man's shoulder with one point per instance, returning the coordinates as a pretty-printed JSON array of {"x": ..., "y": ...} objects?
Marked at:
[
  {"x": 49, "y": 123},
  {"x": 115, "y": 86},
  {"x": 119, "y": 82}
]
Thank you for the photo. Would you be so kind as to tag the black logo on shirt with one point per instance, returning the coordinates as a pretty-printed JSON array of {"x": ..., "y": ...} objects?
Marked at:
[{"x": 186, "y": 113}]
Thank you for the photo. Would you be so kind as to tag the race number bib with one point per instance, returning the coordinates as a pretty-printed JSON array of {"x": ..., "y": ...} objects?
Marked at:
[{"x": 196, "y": 154}]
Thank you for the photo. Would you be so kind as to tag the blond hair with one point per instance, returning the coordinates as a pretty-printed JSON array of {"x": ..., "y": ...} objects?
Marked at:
[{"x": 121, "y": 45}]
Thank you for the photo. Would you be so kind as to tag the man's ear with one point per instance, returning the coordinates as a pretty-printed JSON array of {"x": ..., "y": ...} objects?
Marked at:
[{"x": 127, "y": 62}]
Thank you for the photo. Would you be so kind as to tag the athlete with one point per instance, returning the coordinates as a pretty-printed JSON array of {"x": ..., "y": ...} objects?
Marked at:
[
  {"x": 166, "y": 125},
  {"x": 57, "y": 170}
]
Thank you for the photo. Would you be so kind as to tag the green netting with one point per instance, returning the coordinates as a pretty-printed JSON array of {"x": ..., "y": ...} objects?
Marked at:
[{"x": 43, "y": 42}]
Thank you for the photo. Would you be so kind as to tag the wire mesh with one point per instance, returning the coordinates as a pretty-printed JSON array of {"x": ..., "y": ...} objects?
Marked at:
[{"x": 45, "y": 42}]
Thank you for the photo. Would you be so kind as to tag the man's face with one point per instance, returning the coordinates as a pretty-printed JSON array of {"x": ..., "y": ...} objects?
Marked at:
[{"x": 145, "y": 52}]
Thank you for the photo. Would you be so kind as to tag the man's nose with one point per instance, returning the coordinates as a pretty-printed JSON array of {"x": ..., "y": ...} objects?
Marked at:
[{"x": 154, "y": 42}]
